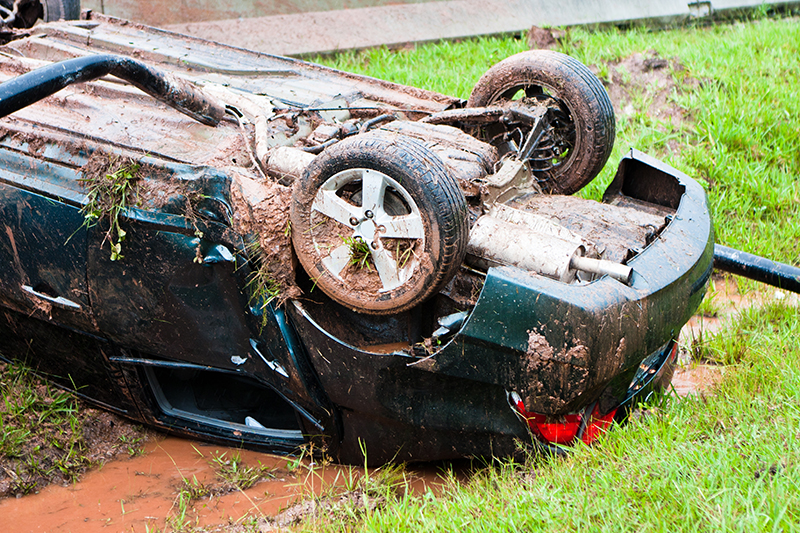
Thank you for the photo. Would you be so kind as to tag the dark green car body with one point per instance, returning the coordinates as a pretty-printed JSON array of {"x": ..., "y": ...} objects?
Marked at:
[{"x": 172, "y": 334}]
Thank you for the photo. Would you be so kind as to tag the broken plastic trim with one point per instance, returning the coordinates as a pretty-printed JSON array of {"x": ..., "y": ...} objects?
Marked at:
[
  {"x": 156, "y": 363},
  {"x": 29, "y": 88}
]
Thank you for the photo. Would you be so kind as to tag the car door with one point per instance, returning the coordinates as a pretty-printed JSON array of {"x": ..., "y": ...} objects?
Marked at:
[{"x": 47, "y": 319}]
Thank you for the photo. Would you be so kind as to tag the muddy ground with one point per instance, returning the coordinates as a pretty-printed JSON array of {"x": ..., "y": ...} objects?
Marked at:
[{"x": 63, "y": 451}]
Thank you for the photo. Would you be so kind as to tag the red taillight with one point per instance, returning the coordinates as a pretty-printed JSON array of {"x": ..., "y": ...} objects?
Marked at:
[
  {"x": 566, "y": 431},
  {"x": 597, "y": 425},
  {"x": 561, "y": 433}
]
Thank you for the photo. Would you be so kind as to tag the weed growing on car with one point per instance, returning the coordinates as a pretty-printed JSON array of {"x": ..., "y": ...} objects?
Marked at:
[
  {"x": 359, "y": 252},
  {"x": 262, "y": 287},
  {"x": 109, "y": 195}
]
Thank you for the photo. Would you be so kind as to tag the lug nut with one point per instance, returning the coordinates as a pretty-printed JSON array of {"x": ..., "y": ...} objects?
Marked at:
[
  {"x": 369, "y": 214},
  {"x": 353, "y": 221},
  {"x": 374, "y": 245}
]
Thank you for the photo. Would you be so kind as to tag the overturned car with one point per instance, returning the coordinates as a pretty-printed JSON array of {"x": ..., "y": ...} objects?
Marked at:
[{"x": 266, "y": 252}]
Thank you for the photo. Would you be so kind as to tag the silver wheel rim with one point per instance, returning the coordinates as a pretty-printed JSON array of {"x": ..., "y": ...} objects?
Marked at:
[{"x": 371, "y": 223}]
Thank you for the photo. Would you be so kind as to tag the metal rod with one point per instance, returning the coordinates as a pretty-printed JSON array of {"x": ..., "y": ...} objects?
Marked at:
[
  {"x": 781, "y": 275},
  {"x": 176, "y": 92}
]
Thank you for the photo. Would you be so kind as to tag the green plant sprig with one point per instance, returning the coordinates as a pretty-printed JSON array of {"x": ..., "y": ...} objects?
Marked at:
[{"x": 109, "y": 197}]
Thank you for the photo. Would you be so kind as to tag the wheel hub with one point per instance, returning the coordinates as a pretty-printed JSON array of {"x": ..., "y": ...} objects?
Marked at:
[{"x": 387, "y": 211}]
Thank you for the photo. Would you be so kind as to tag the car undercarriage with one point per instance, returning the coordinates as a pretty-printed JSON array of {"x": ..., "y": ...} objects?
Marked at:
[{"x": 268, "y": 252}]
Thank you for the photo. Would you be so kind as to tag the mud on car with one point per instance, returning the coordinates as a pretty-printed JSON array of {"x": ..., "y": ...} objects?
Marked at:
[{"x": 261, "y": 251}]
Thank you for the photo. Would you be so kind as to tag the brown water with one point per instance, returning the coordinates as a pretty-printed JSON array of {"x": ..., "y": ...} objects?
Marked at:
[
  {"x": 137, "y": 494},
  {"x": 727, "y": 303}
]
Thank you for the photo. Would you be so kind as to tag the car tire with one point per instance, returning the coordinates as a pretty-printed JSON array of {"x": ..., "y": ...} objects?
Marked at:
[
  {"x": 413, "y": 231},
  {"x": 61, "y": 10},
  {"x": 580, "y": 138},
  {"x": 30, "y": 11}
]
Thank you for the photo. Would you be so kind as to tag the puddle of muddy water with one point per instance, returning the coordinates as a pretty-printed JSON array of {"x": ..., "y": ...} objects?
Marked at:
[
  {"x": 727, "y": 302},
  {"x": 697, "y": 379},
  {"x": 138, "y": 494}
]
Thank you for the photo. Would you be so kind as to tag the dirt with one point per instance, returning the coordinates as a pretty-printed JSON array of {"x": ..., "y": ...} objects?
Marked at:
[
  {"x": 150, "y": 492},
  {"x": 566, "y": 370},
  {"x": 544, "y": 38},
  {"x": 59, "y": 447},
  {"x": 261, "y": 212},
  {"x": 650, "y": 78},
  {"x": 464, "y": 289},
  {"x": 614, "y": 230},
  {"x": 230, "y": 152}
]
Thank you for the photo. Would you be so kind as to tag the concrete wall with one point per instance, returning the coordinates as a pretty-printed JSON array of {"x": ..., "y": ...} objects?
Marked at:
[
  {"x": 299, "y": 27},
  {"x": 161, "y": 12}
]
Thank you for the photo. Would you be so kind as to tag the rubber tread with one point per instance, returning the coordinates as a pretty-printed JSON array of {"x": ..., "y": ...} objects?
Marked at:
[
  {"x": 443, "y": 207},
  {"x": 580, "y": 90},
  {"x": 61, "y": 10}
]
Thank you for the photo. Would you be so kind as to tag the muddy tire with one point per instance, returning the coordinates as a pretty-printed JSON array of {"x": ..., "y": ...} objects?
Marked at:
[
  {"x": 581, "y": 136},
  {"x": 60, "y": 10},
  {"x": 378, "y": 223},
  {"x": 29, "y": 11}
]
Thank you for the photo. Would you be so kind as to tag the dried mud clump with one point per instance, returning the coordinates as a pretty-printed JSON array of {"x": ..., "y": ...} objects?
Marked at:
[
  {"x": 555, "y": 376},
  {"x": 261, "y": 214},
  {"x": 544, "y": 38}
]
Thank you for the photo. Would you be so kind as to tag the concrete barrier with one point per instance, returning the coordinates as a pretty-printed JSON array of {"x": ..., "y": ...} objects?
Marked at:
[{"x": 301, "y": 27}]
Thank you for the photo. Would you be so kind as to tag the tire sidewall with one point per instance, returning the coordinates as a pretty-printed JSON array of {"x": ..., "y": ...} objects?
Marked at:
[
  {"x": 53, "y": 10},
  {"x": 393, "y": 162},
  {"x": 564, "y": 78}
]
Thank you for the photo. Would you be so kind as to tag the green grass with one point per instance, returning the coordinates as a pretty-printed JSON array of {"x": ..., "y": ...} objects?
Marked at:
[
  {"x": 236, "y": 475},
  {"x": 41, "y": 436}
]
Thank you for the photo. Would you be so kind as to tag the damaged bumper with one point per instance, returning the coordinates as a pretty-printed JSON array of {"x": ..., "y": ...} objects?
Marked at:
[{"x": 556, "y": 348}]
